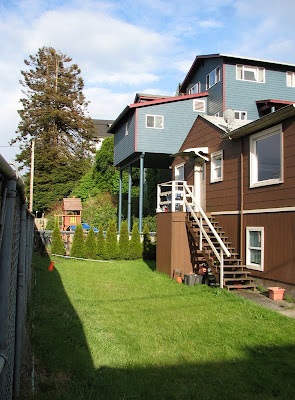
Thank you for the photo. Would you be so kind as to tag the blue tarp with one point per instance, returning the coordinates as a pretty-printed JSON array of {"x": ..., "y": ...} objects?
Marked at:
[{"x": 86, "y": 227}]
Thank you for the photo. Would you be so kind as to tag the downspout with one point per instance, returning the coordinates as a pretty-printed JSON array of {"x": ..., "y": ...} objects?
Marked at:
[{"x": 242, "y": 201}]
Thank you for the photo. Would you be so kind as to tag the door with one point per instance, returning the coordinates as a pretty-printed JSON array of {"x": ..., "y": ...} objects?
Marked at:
[{"x": 200, "y": 184}]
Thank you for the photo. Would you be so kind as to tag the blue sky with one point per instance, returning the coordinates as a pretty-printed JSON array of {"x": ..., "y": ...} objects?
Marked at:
[{"x": 128, "y": 46}]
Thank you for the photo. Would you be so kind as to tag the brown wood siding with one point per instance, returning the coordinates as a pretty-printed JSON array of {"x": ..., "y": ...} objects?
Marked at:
[
  {"x": 279, "y": 245},
  {"x": 281, "y": 195},
  {"x": 231, "y": 226},
  {"x": 172, "y": 244}
]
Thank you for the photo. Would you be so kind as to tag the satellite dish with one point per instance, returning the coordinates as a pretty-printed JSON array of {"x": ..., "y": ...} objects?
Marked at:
[{"x": 229, "y": 116}]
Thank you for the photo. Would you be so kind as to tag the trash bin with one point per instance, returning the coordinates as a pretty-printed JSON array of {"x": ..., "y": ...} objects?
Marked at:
[{"x": 190, "y": 279}]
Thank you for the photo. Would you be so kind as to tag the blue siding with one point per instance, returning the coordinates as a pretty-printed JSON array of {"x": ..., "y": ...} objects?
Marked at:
[
  {"x": 215, "y": 92},
  {"x": 242, "y": 95},
  {"x": 124, "y": 146},
  {"x": 178, "y": 120}
]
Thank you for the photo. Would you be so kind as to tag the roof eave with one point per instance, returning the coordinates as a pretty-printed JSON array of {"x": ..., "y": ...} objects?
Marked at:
[{"x": 118, "y": 120}]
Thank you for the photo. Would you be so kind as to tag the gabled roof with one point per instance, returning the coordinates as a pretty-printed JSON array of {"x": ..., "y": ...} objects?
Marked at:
[
  {"x": 101, "y": 128},
  {"x": 199, "y": 59},
  {"x": 127, "y": 109},
  {"x": 220, "y": 123},
  {"x": 262, "y": 123},
  {"x": 142, "y": 97},
  {"x": 71, "y": 204}
]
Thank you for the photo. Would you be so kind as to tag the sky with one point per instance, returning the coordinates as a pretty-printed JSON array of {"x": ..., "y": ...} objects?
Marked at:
[{"x": 124, "y": 47}]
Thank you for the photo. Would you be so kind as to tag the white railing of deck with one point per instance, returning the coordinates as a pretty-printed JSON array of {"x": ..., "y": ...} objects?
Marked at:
[{"x": 174, "y": 200}]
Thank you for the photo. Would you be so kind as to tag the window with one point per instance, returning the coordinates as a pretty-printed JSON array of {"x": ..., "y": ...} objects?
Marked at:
[
  {"x": 291, "y": 79},
  {"x": 216, "y": 166},
  {"x": 155, "y": 121},
  {"x": 240, "y": 114},
  {"x": 249, "y": 73},
  {"x": 199, "y": 105},
  {"x": 266, "y": 157},
  {"x": 255, "y": 248},
  {"x": 126, "y": 129},
  {"x": 195, "y": 89},
  {"x": 213, "y": 78},
  {"x": 179, "y": 172}
]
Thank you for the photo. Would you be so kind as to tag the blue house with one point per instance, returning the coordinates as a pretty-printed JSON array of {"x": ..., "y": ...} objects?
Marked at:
[
  {"x": 251, "y": 87},
  {"x": 153, "y": 128}
]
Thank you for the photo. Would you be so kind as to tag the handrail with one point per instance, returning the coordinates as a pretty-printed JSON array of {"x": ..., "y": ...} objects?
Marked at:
[{"x": 201, "y": 211}]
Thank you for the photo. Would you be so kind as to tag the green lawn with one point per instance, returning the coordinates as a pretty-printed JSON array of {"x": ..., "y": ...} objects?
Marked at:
[{"x": 120, "y": 330}]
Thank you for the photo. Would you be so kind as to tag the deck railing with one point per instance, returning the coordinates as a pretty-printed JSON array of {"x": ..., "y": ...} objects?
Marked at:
[{"x": 178, "y": 196}]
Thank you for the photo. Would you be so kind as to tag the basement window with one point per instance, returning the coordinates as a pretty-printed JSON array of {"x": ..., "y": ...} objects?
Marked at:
[{"x": 255, "y": 248}]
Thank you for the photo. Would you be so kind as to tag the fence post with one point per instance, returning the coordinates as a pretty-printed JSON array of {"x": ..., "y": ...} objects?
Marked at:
[
  {"x": 5, "y": 277},
  {"x": 20, "y": 298}
]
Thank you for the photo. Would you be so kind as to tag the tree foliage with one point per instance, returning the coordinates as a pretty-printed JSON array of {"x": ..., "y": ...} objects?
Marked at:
[
  {"x": 90, "y": 245},
  {"x": 54, "y": 115},
  {"x": 100, "y": 249},
  {"x": 78, "y": 245},
  {"x": 124, "y": 242},
  {"x": 111, "y": 244},
  {"x": 57, "y": 245},
  {"x": 135, "y": 244}
]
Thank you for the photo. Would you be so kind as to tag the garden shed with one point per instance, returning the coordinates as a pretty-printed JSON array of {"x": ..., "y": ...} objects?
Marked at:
[{"x": 71, "y": 212}]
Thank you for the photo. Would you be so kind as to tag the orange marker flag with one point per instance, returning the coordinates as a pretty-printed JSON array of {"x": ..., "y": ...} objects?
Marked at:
[{"x": 51, "y": 266}]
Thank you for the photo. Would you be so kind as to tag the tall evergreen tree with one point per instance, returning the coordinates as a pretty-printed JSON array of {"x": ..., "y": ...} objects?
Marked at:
[
  {"x": 90, "y": 245},
  {"x": 57, "y": 245},
  {"x": 124, "y": 242},
  {"x": 111, "y": 241},
  {"x": 78, "y": 245},
  {"x": 135, "y": 243},
  {"x": 100, "y": 249},
  {"x": 54, "y": 114}
]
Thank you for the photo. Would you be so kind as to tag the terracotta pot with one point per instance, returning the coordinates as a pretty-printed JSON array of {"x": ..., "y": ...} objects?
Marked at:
[{"x": 276, "y": 293}]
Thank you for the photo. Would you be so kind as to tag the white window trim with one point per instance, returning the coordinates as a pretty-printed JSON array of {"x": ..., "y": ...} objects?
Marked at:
[
  {"x": 240, "y": 112},
  {"x": 176, "y": 168},
  {"x": 126, "y": 129},
  {"x": 249, "y": 67},
  {"x": 253, "y": 160},
  {"x": 216, "y": 81},
  {"x": 202, "y": 101},
  {"x": 248, "y": 263},
  {"x": 293, "y": 78},
  {"x": 154, "y": 115},
  {"x": 212, "y": 167},
  {"x": 198, "y": 86}
]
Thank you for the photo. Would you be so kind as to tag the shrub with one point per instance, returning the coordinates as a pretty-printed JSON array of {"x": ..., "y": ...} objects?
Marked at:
[
  {"x": 149, "y": 248},
  {"x": 124, "y": 242},
  {"x": 90, "y": 245},
  {"x": 78, "y": 246},
  {"x": 100, "y": 246},
  {"x": 135, "y": 244},
  {"x": 111, "y": 244},
  {"x": 57, "y": 245}
]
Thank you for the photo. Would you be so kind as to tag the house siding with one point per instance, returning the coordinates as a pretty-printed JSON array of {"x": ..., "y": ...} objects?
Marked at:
[
  {"x": 242, "y": 95},
  {"x": 178, "y": 119},
  {"x": 215, "y": 92},
  {"x": 124, "y": 146}
]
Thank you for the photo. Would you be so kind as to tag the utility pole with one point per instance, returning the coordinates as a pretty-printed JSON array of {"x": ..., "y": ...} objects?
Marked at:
[{"x": 32, "y": 175}]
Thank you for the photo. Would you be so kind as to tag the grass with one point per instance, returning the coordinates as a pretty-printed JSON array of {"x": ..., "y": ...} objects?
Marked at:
[{"x": 120, "y": 330}]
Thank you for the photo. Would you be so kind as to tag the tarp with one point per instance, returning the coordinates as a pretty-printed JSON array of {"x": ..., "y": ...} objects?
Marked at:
[{"x": 86, "y": 227}]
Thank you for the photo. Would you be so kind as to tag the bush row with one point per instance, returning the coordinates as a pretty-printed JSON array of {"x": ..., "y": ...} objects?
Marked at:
[{"x": 107, "y": 247}]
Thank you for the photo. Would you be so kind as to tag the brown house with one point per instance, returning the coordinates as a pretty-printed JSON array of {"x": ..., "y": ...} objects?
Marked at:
[
  {"x": 71, "y": 212},
  {"x": 243, "y": 180}
]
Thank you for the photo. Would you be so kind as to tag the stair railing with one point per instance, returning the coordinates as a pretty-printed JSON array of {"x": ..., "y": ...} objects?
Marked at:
[{"x": 194, "y": 206}]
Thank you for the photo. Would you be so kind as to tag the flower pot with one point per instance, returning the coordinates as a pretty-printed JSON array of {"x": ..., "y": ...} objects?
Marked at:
[{"x": 276, "y": 293}]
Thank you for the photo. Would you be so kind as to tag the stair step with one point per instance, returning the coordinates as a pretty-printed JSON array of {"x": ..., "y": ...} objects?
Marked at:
[
  {"x": 240, "y": 287},
  {"x": 238, "y": 279},
  {"x": 235, "y": 272}
]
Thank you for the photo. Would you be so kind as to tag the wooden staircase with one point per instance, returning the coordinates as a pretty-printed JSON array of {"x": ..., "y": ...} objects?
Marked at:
[{"x": 236, "y": 275}]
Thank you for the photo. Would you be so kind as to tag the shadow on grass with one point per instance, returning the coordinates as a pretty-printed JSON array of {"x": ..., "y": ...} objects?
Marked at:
[
  {"x": 151, "y": 264},
  {"x": 65, "y": 370}
]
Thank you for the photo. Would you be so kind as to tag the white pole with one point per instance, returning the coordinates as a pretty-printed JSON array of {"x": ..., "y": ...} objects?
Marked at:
[
  {"x": 221, "y": 268},
  {"x": 32, "y": 175}
]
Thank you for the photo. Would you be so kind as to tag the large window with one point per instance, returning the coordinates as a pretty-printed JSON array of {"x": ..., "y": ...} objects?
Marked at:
[
  {"x": 155, "y": 121},
  {"x": 213, "y": 78},
  {"x": 255, "y": 247},
  {"x": 266, "y": 157},
  {"x": 291, "y": 79},
  {"x": 195, "y": 89},
  {"x": 249, "y": 73},
  {"x": 216, "y": 166}
]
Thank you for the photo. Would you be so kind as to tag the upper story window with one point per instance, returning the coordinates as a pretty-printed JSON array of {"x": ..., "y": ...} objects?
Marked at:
[
  {"x": 216, "y": 166},
  {"x": 126, "y": 129},
  {"x": 195, "y": 89},
  {"x": 199, "y": 105},
  {"x": 154, "y": 121},
  {"x": 291, "y": 79},
  {"x": 266, "y": 157},
  {"x": 240, "y": 114},
  {"x": 249, "y": 73},
  {"x": 213, "y": 78}
]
